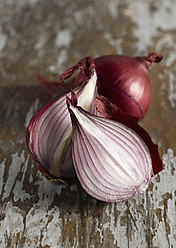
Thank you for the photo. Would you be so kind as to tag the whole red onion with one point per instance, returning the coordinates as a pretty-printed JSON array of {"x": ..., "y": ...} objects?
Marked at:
[{"x": 125, "y": 81}]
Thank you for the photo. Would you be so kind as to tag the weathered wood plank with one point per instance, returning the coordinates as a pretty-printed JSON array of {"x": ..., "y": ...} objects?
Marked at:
[{"x": 50, "y": 36}]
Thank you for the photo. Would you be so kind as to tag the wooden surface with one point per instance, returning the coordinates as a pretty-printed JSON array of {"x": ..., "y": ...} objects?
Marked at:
[{"x": 51, "y": 36}]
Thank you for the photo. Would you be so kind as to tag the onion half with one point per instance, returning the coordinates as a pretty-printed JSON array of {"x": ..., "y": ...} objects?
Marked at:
[
  {"x": 50, "y": 130},
  {"x": 112, "y": 162}
]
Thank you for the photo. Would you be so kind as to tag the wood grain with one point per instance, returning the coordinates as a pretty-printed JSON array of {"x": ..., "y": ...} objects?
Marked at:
[{"x": 50, "y": 36}]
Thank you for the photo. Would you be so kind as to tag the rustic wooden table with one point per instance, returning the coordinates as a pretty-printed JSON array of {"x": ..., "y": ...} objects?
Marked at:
[{"x": 51, "y": 36}]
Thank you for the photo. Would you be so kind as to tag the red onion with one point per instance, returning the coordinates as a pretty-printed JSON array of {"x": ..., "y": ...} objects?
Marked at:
[
  {"x": 50, "y": 130},
  {"x": 125, "y": 81},
  {"x": 112, "y": 155},
  {"x": 112, "y": 162}
]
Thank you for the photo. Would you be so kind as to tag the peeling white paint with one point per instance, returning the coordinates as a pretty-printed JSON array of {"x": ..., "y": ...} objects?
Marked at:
[
  {"x": 171, "y": 59},
  {"x": 172, "y": 89},
  {"x": 113, "y": 8},
  {"x": 41, "y": 42},
  {"x": 116, "y": 43},
  {"x": 3, "y": 40},
  {"x": 63, "y": 38},
  {"x": 171, "y": 215},
  {"x": 52, "y": 234},
  {"x": 18, "y": 191},
  {"x": 2, "y": 170},
  {"x": 12, "y": 225},
  {"x": 13, "y": 171},
  {"x": 169, "y": 86},
  {"x": 169, "y": 65},
  {"x": 44, "y": 227},
  {"x": 148, "y": 23},
  {"x": 167, "y": 41},
  {"x": 33, "y": 108},
  {"x": 61, "y": 59},
  {"x": 119, "y": 231},
  {"x": 31, "y": 176},
  {"x": 100, "y": 230},
  {"x": 20, "y": 3},
  {"x": 161, "y": 188}
]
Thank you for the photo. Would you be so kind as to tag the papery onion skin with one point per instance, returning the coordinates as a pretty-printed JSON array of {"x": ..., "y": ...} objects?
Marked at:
[
  {"x": 54, "y": 88},
  {"x": 49, "y": 132},
  {"x": 111, "y": 161},
  {"x": 125, "y": 81}
]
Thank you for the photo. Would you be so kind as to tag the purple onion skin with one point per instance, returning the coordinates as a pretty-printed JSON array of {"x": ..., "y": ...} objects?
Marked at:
[{"x": 125, "y": 81}]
